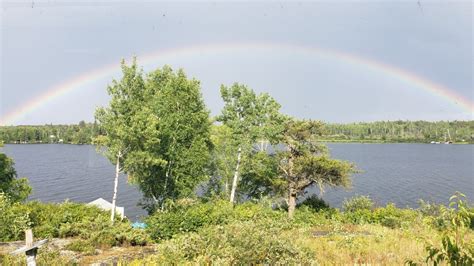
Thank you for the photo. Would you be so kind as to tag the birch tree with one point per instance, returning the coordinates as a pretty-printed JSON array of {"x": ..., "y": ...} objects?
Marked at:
[
  {"x": 252, "y": 118},
  {"x": 175, "y": 156},
  {"x": 117, "y": 121}
]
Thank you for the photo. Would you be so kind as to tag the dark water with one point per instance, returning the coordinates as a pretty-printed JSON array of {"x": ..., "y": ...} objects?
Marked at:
[
  {"x": 399, "y": 173},
  {"x": 76, "y": 172},
  {"x": 405, "y": 173}
]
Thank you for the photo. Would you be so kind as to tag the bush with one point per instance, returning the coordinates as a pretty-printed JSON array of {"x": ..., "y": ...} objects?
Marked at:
[
  {"x": 389, "y": 216},
  {"x": 358, "y": 203},
  {"x": 454, "y": 250},
  {"x": 393, "y": 217},
  {"x": 66, "y": 220},
  {"x": 82, "y": 246},
  {"x": 314, "y": 202},
  {"x": 12, "y": 222},
  {"x": 45, "y": 257},
  {"x": 245, "y": 243},
  {"x": 17, "y": 189},
  {"x": 187, "y": 218},
  {"x": 183, "y": 218}
]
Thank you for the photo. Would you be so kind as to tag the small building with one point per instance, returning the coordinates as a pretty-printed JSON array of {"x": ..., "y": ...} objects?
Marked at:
[{"x": 105, "y": 205}]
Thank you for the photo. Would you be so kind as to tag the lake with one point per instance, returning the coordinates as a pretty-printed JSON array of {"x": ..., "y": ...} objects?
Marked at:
[{"x": 399, "y": 173}]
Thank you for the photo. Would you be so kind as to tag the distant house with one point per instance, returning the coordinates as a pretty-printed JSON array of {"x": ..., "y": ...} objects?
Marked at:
[{"x": 105, "y": 205}]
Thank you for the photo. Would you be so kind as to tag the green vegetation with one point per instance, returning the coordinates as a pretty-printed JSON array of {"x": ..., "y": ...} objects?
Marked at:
[
  {"x": 52, "y": 220},
  {"x": 402, "y": 131},
  {"x": 363, "y": 132},
  {"x": 191, "y": 231},
  {"x": 82, "y": 133},
  {"x": 157, "y": 131},
  {"x": 254, "y": 164},
  {"x": 251, "y": 119},
  {"x": 17, "y": 189}
]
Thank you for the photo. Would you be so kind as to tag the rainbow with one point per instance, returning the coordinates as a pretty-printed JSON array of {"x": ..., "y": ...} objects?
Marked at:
[{"x": 107, "y": 71}]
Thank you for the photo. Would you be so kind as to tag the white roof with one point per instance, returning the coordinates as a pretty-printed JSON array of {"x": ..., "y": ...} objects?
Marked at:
[{"x": 105, "y": 205}]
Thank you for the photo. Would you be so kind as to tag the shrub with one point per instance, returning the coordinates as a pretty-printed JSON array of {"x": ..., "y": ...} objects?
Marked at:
[
  {"x": 453, "y": 248},
  {"x": 245, "y": 243},
  {"x": 358, "y": 203},
  {"x": 82, "y": 246},
  {"x": 66, "y": 220},
  {"x": 12, "y": 222},
  {"x": 45, "y": 257},
  {"x": 315, "y": 203},
  {"x": 393, "y": 217},
  {"x": 187, "y": 218},
  {"x": 389, "y": 216}
]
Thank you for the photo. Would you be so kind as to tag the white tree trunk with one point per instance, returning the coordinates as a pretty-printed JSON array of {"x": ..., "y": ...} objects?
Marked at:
[
  {"x": 236, "y": 176},
  {"x": 291, "y": 203},
  {"x": 114, "y": 198}
]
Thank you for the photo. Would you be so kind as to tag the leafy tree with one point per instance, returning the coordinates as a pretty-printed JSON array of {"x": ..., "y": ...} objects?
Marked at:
[
  {"x": 174, "y": 152},
  {"x": 119, "y": 121},
  {"x": 223, "y": 159},
  {"x": 453, "y": 247},
  {"x": 17, "y": 189},
  {"x": 260, "y": 175},
  {"x": 304, "y": 162},
  {"x": 252, "y": 118}
]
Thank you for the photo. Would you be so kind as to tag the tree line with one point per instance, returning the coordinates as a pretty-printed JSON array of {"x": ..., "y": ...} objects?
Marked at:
[
  {"x": 381, "y": 131},
  {"x": 81, "y": 133},
  {"x": 403, "y": 131}
]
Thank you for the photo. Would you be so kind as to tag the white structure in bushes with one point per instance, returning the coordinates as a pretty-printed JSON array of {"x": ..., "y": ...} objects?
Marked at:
[{"x": 105, "y": 205}]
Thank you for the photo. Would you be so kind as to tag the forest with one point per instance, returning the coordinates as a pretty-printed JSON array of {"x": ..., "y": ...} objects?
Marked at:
[
  {"x": 378, "y": 131},
  {"x": 254, "y": 165},
  {"x": 403, "y": 131}
]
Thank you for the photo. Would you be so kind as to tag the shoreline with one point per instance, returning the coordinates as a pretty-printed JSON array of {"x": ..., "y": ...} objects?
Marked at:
[{"x": 322, "y": 141}]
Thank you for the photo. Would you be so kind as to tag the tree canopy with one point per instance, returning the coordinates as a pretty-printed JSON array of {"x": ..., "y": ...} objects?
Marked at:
[
  {"x": 17, "y": 189},
  {"x": 304, "y": 162},
  {"x": 160, "y": 127}
]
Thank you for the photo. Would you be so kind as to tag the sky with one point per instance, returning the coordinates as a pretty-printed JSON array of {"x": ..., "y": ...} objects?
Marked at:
[{"x": 298, "y": 52}]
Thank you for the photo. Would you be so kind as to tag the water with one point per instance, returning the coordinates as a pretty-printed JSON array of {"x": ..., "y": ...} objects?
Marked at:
[
  {"x": 405, "y": 173},
  {"x": 76, "y": 172},
  {"x": 399, "y": 173}
]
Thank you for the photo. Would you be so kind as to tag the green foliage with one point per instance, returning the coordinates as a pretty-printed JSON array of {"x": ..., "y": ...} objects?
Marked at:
[
  {"x": 158, "y": 126},
  {"x": 304, "y": 162},
  {"x": 245, "y": 243},
  {"x": 67, "y": 219},
  {"x": 12, "y": 222},
  {"x": 44, "y": 257},
  {"x": 81, "y": 133},
  {"x": 82, "y": 246},
  {"x": 453, "y": 248},
  {"x": 184, "y": 137},
  {"x": 358, "y": 203},
  {"x": 360, "y": 211},
  {"x": 260, "y": 176},
  {"x": 402, "y": 131},
  {"x": 191, "y": 217},
  {"x": 254, "y": 121},
  {"x": 223, "y": 160},
  {"x": 314, "y": 202},
  {"x": 187, "y": 218},
  {"x": 17, "y": 189}
]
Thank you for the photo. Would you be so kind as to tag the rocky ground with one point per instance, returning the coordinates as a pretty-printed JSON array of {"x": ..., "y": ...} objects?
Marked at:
[{"x": 102, "y": 257}]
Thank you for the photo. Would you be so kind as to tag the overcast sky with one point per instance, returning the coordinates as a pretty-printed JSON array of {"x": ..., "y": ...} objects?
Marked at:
[{"x": 46, "y": 43}]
